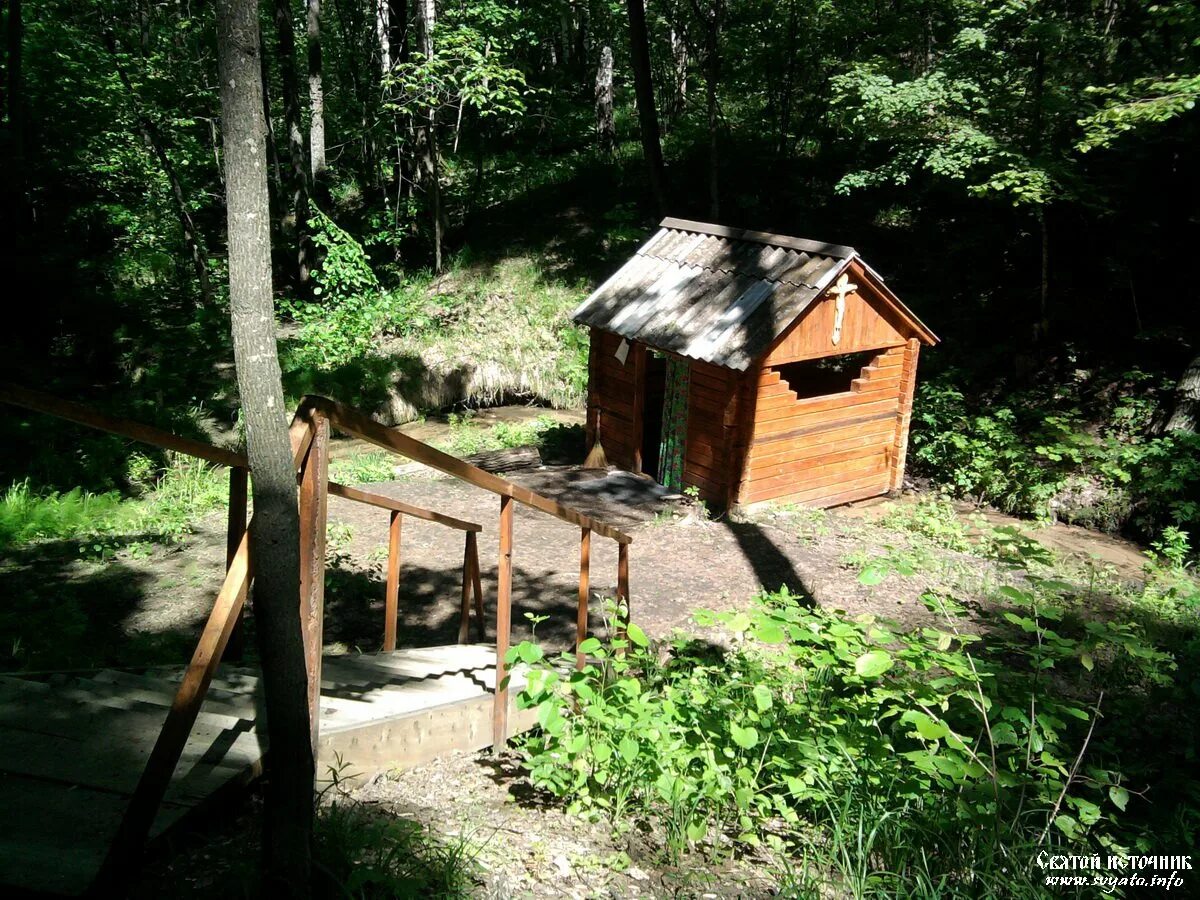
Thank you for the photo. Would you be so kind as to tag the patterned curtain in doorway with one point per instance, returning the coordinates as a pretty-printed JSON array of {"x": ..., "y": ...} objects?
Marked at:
[{"x": 674, "y": 424}]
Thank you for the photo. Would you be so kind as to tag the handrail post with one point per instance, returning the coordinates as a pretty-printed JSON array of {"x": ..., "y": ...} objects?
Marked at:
[
  {"x": 313, "y": 479},
  {"x": 581, "y": 614},
  {"x": 236, "y": 527},
  {"x": 623, "y": 586},
  {"x": 391, "y": 601},
  {"x": 464, "y": 613},
  {"x": 503, "y": 623},
  {"x": 476, "y": 585}
]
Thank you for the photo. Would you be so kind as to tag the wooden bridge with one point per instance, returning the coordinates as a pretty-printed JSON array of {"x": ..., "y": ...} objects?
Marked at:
[{"x": 95, "y": 764}]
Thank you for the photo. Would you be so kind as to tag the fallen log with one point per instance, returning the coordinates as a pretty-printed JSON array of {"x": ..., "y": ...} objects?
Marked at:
[{"x": 510, "y": 459}]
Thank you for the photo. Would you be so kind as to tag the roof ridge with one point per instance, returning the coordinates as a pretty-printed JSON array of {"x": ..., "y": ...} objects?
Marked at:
[{"x": 762, "y": 237}]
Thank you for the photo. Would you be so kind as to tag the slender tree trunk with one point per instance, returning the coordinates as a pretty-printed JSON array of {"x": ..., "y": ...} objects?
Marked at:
[
  {"x": 606, "y": 131},
  {"x": 679, "y": 65},
  {"x": 427, "y": 142},
  {"x": 712, "y": 17},
  {"x": 383, "y": 35},
  {"x": 1186, "y": 415},
  {"x": 275, "y": 539},
  {"x": 647, "y": 113},
  {"x": 276, "y": 183},
  {"x": 17, "y": 120},
  {"x": 316, "y": 94},
  {"x": 285, "y": 33},
  {"x": 157, "y": 146}
]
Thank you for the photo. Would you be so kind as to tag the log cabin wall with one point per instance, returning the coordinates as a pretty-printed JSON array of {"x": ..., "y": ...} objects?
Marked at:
[
  {"x": 710, "y": 432},
  {"x": 831, "y": 449},
  {"x": 614, "y": 400}
]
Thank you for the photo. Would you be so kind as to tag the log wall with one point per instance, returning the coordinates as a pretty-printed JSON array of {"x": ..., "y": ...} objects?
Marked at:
[
  {"x": 821, "y": 451},
  {"x": 614, "y": 400}
]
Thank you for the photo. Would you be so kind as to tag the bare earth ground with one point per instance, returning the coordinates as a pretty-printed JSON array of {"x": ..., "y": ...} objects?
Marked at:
[{"x": 150, "y": 604}]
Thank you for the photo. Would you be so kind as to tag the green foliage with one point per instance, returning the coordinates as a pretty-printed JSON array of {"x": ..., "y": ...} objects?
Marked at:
[
  {"x": 174, "y": 498},
  {"x": 364, "y": 468},
  {"x": 1026, "y": 455},
  {"x": 27, "y": 516},
  {"x": 466, "y": 437},
  {"x": 943, "y": 746},
  {"x": 932, "y": 518}
]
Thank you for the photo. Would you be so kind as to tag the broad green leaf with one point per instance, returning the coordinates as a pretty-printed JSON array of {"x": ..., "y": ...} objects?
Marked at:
[
  {"x": 637, "y": 636},
  {"x": 628, "y": 748},
  {"x": 762, "y": 697},
  {"x": 769, "y": 633},
  {"x": 746, "y": 738},
  {"x": 873, "y": 663},
  {"x": 590, "y": 645},
  {"x": 871, "y": 576},
  {"x": 1119, "y": 796}
]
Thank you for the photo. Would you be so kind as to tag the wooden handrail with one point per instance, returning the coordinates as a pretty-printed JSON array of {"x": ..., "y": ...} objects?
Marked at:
[
  {"x": 417, "y": 512},
  {"x": 147, "y": 434},
  {"x": 353, "y": 422},
  {"x": 169, "y": 745}
]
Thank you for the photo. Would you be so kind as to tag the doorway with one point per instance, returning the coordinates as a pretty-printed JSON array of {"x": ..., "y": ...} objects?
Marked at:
[
  {"x": 664, "y": 419},
  {"x": 654, "y": 389}
]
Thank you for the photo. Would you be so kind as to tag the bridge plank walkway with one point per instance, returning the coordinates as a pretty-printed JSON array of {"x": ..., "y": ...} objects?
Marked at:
[{"x": 73, "y": 747}]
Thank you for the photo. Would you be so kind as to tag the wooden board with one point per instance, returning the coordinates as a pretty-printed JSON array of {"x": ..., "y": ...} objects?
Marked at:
[{"x": 72, "y": 751}]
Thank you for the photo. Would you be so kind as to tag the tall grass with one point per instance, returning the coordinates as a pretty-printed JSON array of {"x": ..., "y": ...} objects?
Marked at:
[{"x": 171, "y": 500}]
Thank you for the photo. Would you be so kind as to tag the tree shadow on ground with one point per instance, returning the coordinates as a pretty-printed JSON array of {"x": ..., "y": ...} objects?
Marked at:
[
  {"x": 773, "y": 568},
  {"x": 69, "y": 605},
  {"x": 430, "y": 602}
]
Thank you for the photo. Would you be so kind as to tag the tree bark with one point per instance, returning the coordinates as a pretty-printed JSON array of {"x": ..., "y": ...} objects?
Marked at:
[
  {"x": 712, "y": 76},
  {"x": 427, "y": 138},
  {"x": 644, "y": 90},
  {"x": 1186, "y": 415},
  {"x": 285, "y": 33},
  {"x": 17, "y": 120},
  {"x": 275, "y": 537},
  {"x": 316, "y": 93},
  {"x": 606, "y": 131}
]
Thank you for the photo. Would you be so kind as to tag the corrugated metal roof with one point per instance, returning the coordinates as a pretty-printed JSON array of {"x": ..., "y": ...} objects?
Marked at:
[{"x": 717, "y": 294}]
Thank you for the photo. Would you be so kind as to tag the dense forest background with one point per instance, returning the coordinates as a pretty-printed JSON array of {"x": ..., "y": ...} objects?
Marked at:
[{"x": 448, "y": 179}]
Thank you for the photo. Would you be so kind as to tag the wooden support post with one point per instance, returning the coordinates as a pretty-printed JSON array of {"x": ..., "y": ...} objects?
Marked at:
[
  {"x": 581, "y": 614},
  {"x": 236, "y": 527},
  {"x": 464, "y": 612},
  {"x": 391, "y": 601},
  {"x": 623, "y": 584},
  {"x": 476, "y": 585},
  {"x": 503, "y": 623},
  {"x": 313, "y": 479}
]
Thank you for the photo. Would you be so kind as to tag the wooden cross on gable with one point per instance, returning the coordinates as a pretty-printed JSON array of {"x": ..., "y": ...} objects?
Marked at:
[{"x": 841, "y": 289}]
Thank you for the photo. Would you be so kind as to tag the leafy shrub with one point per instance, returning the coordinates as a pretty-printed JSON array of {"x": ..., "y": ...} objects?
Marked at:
[
  {"x": 1033, "y": 454},
  {"x": 971, "y": 749},
  {"x": 932, "y": 518}
]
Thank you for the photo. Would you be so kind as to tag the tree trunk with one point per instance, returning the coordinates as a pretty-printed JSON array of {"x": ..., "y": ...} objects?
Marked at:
[
  {"x": 644, "y": 89},
  {"x": 316, "y": 94},
  {"x": 275, "y": 539},
  {"x": 606, "y": 131},
  {"x": 679, "y": 65},
  {"x": 712, "y": 67},
  {"x": 276, "y": 183},
  {"x": 17, "y": 120},
  {"x": 427, "y": 139},
  {"x": 285, "y": 33},
  {"x": 383, "y": 35},
  {"x": 1186, "y": 415}
]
